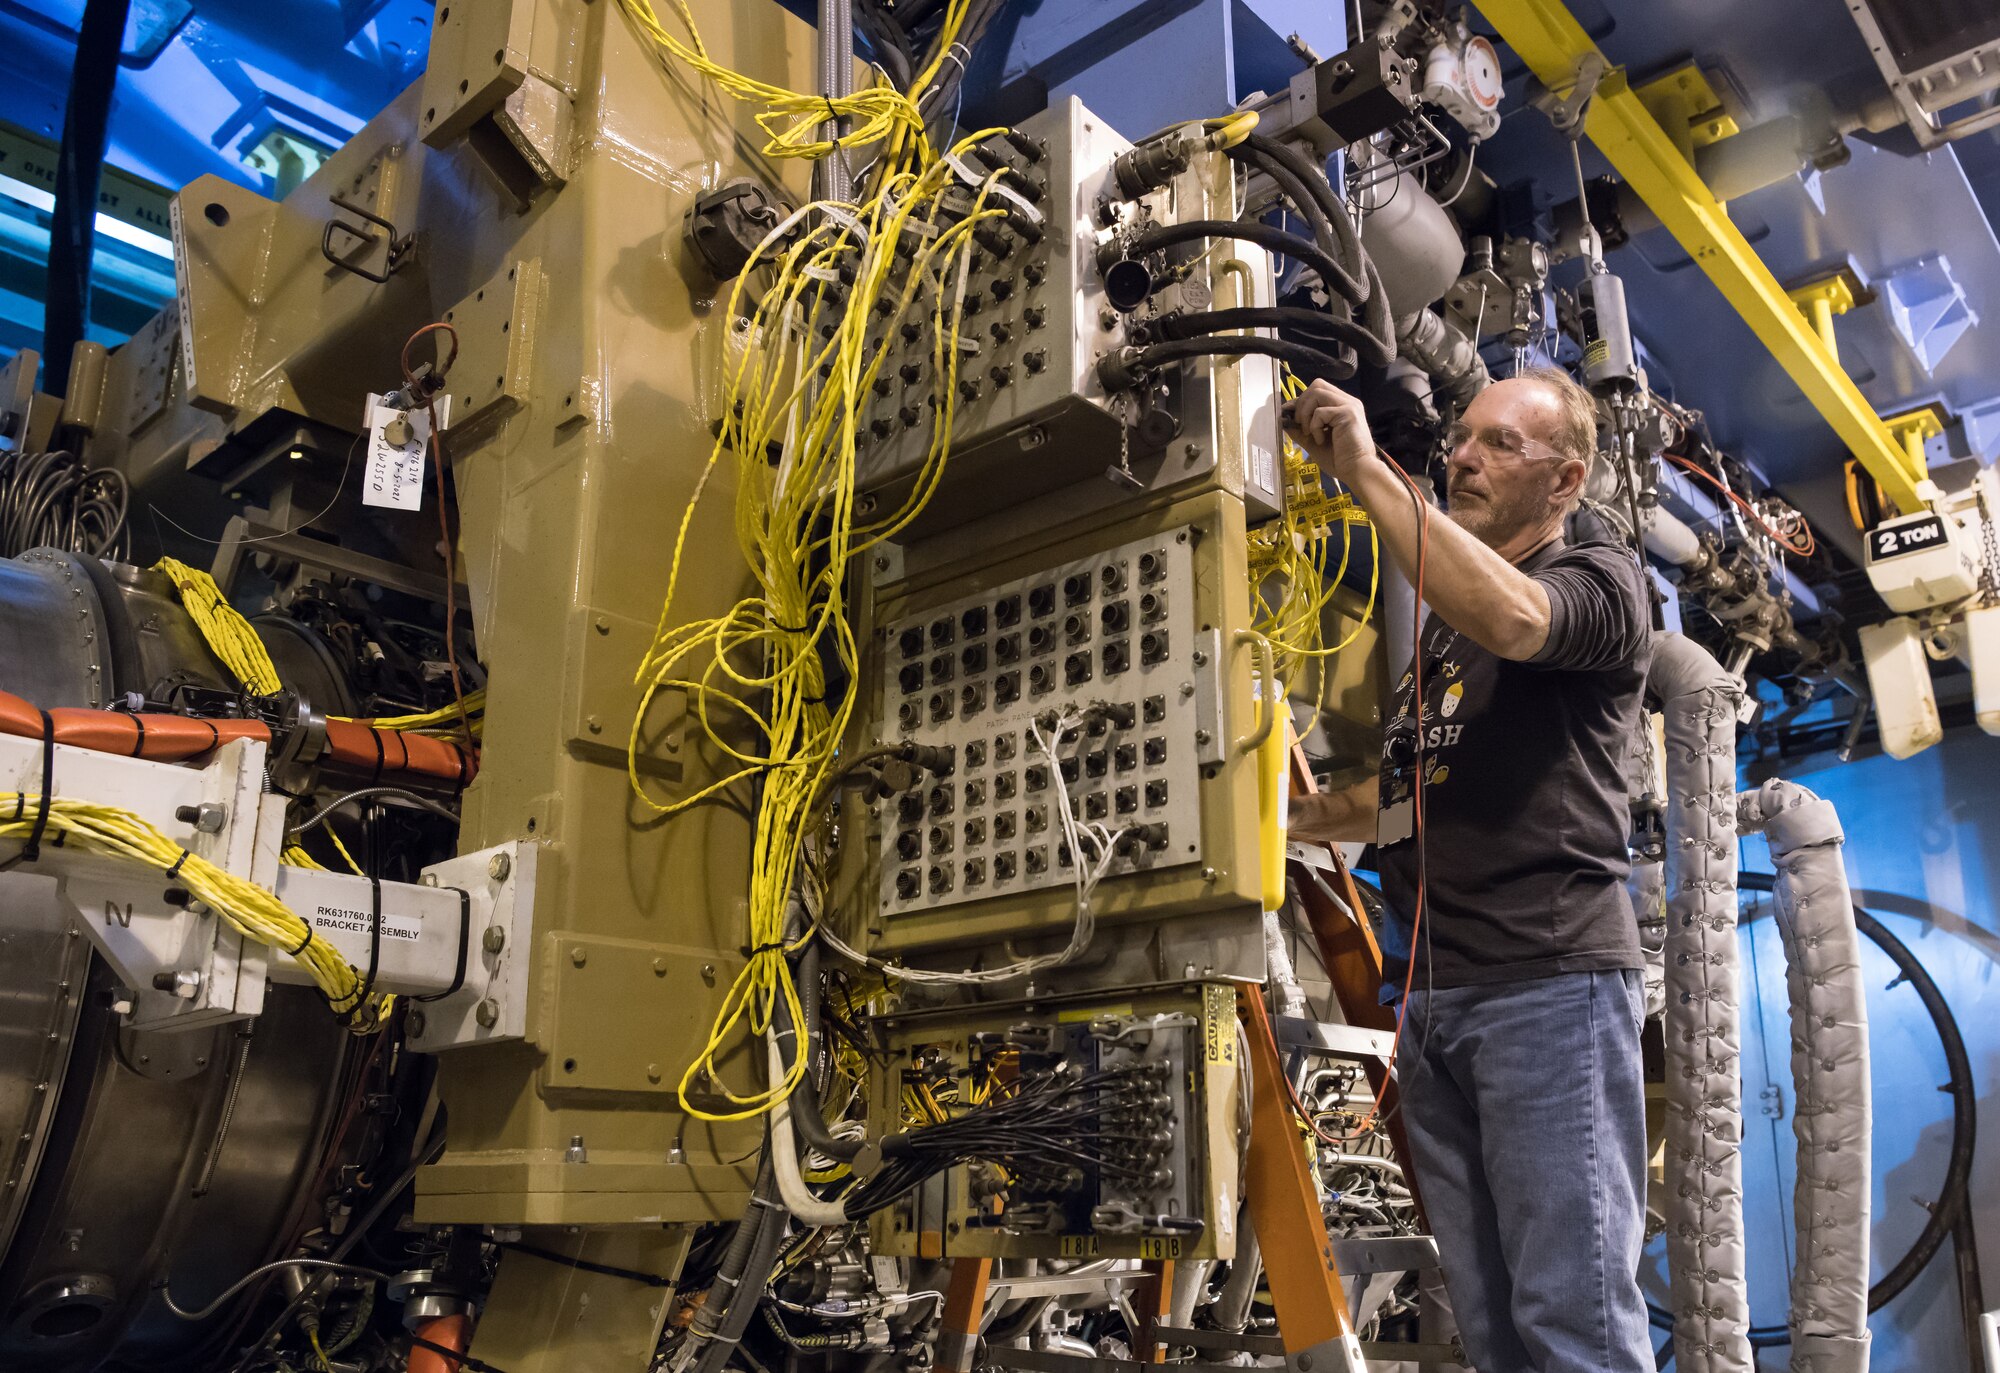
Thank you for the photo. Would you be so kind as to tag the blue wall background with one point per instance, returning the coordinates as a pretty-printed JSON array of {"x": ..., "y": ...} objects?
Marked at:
[{"x": 1923, "y": 837}]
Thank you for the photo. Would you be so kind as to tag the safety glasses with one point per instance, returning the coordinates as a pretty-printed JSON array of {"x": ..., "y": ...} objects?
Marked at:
[{"x": 1497, "y": 443}]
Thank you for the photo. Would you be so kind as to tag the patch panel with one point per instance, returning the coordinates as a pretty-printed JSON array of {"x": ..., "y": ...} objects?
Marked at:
[{"x": 1077, "y": 659}]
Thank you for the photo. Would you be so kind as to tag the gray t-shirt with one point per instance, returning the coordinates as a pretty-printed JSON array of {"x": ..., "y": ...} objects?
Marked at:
[{"x": 1525, "y": 812}]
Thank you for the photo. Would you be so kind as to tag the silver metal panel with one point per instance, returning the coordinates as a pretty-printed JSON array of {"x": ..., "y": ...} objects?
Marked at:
[
  {"x": 43, "y": 960},
  {"x": 1048, "y": 424}
]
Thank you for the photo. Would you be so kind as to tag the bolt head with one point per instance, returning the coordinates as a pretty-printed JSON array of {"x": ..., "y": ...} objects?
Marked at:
[
  {"x": 416, "y": 1023},
  {"x": 578, "y": 956},
  {"x": 487, "y": 1013},
  {"x": 429, "y": 879},
  {"x": 495, "y": 938},
  {"x": 498, "y": 866}
]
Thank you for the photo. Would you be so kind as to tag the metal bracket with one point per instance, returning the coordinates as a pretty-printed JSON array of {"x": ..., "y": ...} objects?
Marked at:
[
  {"x": 493, "y": 1003},
  {"x": 401, "y": 248},
  {"x": 1567, "y": 112}
]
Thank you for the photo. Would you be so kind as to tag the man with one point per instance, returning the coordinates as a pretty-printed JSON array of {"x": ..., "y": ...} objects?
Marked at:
[{"x": 1500, "y": 813}]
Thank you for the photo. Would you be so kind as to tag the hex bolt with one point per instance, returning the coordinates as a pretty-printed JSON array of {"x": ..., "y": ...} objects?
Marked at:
[
  {"x": 708, "y": 974},
  {"x": 498, "y": 866},
  {"x": 185, "y": 984},
  {"x": 578, "y": 956},
  {"x": 416, "y": 1022},
  {"x": 208, "y": 817},
  {"x": 495, "y": 938},
  {"x": 1201, "y": 657},
  {"x": 429, "y": 879},
  {"x": 576, "y": 1153},
  {"x": 659, "y": 967},
  {"x": 487, "y": 1013},
  {"x": 653, "y": 1072}
]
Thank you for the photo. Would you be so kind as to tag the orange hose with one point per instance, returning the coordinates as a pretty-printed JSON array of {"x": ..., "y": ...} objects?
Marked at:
[
  {"x": 175, "y": 738},
  {"x": 452, "y": 1331}
]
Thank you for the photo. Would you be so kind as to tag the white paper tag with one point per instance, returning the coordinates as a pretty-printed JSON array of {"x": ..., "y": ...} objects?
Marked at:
[{"x": 395, "y": 476}]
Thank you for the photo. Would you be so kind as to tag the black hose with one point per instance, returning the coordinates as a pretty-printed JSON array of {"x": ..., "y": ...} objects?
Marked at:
[
  {"x": 766, "y": 1222},
  {"x": 1311, "y": 194},
  {"x": 1263, "y": 235},
  {"x": 807, "y": 1116},
  {"x": 1375, "y": 316},
  {"x": 1951, "y": 1206},
  {"x": 1181, "y": 350},
  {"x": 1313, "y": 322}
]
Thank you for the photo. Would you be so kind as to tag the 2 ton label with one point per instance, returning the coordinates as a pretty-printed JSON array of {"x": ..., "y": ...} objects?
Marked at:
[{"x": 1892, "y": 541}]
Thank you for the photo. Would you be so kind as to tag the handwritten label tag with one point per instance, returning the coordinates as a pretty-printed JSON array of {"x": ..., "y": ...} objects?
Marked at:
[{"x": 398, "y": 441}]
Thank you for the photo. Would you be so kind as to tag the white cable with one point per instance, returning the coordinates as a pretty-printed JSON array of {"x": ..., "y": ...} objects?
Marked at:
[
  {"x": 799, "y": 1200},
  {"x": 1102, "y": 840}
]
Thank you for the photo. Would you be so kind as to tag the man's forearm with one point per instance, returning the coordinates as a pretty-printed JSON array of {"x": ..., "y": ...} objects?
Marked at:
[
  {"x": 1472, "y": 588},
  {"x": 1346, "y": 816}
]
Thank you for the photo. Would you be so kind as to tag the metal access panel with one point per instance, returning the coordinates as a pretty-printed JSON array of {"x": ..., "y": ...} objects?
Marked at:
[
  {"x": 1136, "y": 633},
  {"x": 1029, "y": 414},
  {"x": 1151, "y": 1175},
  {"x": 1108, "y": 641}
]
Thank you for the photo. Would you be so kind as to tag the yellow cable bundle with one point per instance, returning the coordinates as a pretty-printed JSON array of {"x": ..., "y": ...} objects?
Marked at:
[
  {"x": 249, "y": 909},
  {"x": 1298, "y": 551},
  {"x": 764, "y": 667},
  {"x": 880, "y": 113},
  {"x": 230, "y": 637}
]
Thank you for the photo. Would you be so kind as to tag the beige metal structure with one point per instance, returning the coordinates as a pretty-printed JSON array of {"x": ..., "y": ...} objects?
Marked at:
[{"x": 536, "y": 181}]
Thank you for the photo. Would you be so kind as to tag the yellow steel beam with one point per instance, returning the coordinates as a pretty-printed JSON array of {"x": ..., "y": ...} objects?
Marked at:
[{"x": 1552, "y": 43}]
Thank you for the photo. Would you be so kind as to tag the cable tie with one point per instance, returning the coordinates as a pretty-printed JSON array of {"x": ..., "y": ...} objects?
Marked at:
[
  {"x": 464, "y": 946},
  {"x": 32, "y": 850},
  {"x": 175, "y": 870}
]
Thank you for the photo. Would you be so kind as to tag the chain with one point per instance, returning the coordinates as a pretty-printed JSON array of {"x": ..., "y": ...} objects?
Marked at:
[{"x": 1989, "y": 569}]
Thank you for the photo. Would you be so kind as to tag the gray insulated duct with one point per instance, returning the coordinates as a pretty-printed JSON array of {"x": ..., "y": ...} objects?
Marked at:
[
  {"x": 1704, "y": 1095},
  {"x": 1829, "y": 1075}
]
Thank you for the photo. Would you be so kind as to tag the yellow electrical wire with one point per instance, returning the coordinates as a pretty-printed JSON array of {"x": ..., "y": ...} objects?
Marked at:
[
  {"x": 230, "y": 637},
  {"x": 247, "y": 908},
  {"x": 793, "y": 119},
  {"x": 1232, "y": 129},
  {"x": 1294, "y": 551},
  {"x": 798, "y": 531}
]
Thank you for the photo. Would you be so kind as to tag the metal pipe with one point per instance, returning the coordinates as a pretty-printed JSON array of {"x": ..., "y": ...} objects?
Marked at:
[
  {"x": 836, "y": 79},
  {"x": 1450, "y": 357}
]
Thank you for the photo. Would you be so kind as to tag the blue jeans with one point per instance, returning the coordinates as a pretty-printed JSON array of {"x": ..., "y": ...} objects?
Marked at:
[{"x": 1525, "y": 1108}]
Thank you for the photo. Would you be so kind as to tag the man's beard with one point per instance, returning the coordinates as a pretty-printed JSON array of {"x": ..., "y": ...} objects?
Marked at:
[{"x": 1492, "y": 521}]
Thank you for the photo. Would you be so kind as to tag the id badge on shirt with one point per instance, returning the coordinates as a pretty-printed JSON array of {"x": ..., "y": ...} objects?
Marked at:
[{"x": 1395, "y": 823}]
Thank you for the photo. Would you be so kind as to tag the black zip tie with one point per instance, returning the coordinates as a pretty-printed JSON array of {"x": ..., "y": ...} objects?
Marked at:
[
  {"x": 586, "y": 1266},
  {"x": 376, "y": 735},
  {"x": 139, "y": 738},
  {"x": 461, "y": 1360},
  {"x": 374, "y": 947},
  {"x": 32, "y": 850},
  {"x": 304, "y": 944},
  {"x": 175, "y": 870},
  {"x": 464, "y": 945}
]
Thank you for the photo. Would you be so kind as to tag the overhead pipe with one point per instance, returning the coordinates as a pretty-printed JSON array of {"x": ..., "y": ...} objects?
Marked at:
[
  {"x": 1705, "y": 1248},
  {"x": 79, "y": 169},
  {"x": 1445, "y": 352},
  {"x": 1831, "y": 1118}
]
